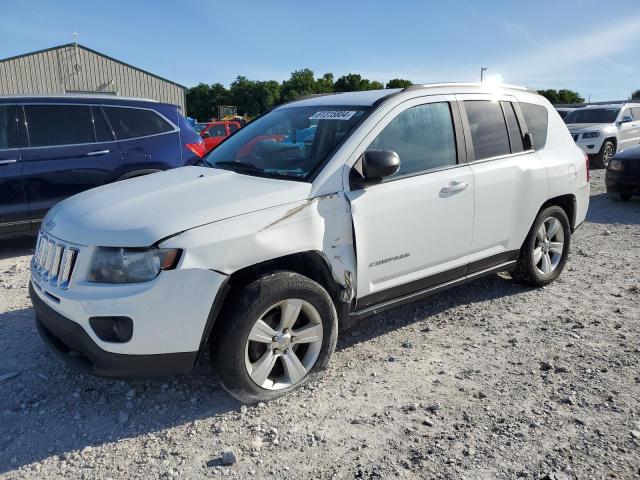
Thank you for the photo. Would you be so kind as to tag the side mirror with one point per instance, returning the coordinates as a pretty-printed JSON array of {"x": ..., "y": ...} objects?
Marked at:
[
  {"x": 527, "y": 141},
  {"x": 626, "y": 119},
  {"x": 205, "y": 135},
  {"x": 373, "y": 166}
]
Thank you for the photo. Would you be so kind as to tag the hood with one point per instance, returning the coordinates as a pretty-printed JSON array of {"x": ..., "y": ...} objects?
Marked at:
[
  {"x": 140, "y": 211},
  {"x": 580, "y": 127}
]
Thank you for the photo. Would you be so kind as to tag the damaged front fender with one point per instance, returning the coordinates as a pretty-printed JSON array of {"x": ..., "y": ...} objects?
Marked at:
[{"x": 321, "y": 224}]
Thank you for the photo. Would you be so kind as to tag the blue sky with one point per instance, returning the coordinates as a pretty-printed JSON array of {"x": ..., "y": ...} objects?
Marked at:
[{"x": 542, "y": 44}]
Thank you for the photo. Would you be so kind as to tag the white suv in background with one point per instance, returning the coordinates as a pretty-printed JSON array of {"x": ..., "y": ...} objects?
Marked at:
[
  {"x": 601, "y": 130},
  {"x": 324, "y": 210}
]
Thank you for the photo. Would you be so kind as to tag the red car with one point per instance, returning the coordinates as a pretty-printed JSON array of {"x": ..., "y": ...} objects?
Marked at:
[{"x": 216, "y": 132}]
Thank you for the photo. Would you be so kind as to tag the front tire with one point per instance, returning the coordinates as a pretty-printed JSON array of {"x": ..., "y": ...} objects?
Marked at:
[
  {"x": 546, "y": 248},
  {"x": 607, "y": 151},
  {"x": 278, "y": 334},
  {"x": 617, "y": 196}
]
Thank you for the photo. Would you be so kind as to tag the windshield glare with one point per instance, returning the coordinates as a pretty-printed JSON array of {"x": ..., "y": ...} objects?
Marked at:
[
  {"x": 287, "y": 142},
  {"x": 593, "y": 115}
]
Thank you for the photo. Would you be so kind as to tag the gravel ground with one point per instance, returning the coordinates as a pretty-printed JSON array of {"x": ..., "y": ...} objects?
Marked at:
[{"x": 490, "y": 380}]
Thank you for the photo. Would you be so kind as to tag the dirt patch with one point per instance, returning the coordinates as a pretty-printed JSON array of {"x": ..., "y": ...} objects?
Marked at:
[{"x": 490, "y": 380}]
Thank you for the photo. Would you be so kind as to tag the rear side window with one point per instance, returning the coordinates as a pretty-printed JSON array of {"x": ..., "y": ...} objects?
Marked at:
[
  {"x": 537, "y": 119},
  {"x": 135, "y": 122},
  {"x": 233, "y": 127},
  {"x": 422, "y": 136},
  {"x": 488, "y": 129},
  {"x": 103, "y": 131},
  {"x": 8, "y": 127},
  {"x": 51, "y": 125},
  {"x": 515, "y": 135}
]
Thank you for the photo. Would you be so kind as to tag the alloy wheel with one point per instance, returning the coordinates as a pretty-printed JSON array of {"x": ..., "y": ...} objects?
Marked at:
[
  {"x": 549, "y": 246},
  {"x": 284, "y": 344},
  {"x": 607, "y": 154}
]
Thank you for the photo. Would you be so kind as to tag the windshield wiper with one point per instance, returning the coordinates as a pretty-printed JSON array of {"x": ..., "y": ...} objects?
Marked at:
[{"x": 246, "y": 166}]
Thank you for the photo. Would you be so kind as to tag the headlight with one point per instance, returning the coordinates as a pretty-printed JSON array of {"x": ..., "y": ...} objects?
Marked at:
[
  {"x": 131, "y": 265},
  {"x": 615, "y": 164},
  {"x": 590, "y": 134}
]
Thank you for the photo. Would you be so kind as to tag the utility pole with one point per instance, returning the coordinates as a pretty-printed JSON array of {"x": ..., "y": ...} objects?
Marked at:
[{"x": 482, "y": 70}]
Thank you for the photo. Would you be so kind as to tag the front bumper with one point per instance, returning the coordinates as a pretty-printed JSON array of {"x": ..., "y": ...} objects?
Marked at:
[
  {"x": 590, "y": 146},
  {"x": 71, "y": 343},
  {"x": 622, "y": 183}
]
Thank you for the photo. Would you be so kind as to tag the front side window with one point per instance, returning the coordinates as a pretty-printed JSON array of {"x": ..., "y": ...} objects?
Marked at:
[
  {"x": 8, "y": 127},
  {"x": 537, "y": 120},
  {"x": 635, "y": 111},
  {"x": 422, "y": 136},
  {"x": 488, "y": 128},
  {"x": 52, "y": 125},
  {"x": 135, "y": 122},
  {"x": 591, "y": 115},
  {"x": 287, "y": 142}
]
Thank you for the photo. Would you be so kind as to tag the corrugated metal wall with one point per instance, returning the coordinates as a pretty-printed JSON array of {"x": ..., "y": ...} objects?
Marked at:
[{"x": 73, "y": 68}]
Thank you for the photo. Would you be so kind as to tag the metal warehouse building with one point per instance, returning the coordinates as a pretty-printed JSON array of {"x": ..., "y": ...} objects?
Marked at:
[{"x": 73, "y": 68}]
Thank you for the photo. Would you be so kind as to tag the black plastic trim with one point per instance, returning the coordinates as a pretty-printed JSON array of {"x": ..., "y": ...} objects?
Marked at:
[
  {"x": 393, "y": 297},
  {"x": 221, "y": 295},
  {"x": 71, "y": 343}
]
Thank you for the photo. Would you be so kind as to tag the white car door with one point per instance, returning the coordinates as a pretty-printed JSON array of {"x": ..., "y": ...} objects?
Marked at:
[
  {"x": 627, "y": 130},
  {"x": 510, "y": 183},
  {"x": 413, "y": 230}
]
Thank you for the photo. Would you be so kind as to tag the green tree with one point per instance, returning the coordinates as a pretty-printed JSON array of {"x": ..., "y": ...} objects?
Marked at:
[
  {"x": 325, "y": 83},
  {"x": 203, "y": 99},
  {"x": 301, "y": 83},
  {"x": 635, "y": 95},
  {"x": 563, "y": 96},
  {"x": 398, "y": 83},
  {"x": 354, "y": 82}
]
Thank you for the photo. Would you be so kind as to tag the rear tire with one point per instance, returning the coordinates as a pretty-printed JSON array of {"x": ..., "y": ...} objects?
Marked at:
[
  {"x": 276, "y": 335},
  {"x": 546, "y": 248},
  {"x": 603, "y": 157}
]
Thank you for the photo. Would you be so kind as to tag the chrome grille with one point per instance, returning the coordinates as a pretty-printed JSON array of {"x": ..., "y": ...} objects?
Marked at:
[{"x": 54, "y": 261}]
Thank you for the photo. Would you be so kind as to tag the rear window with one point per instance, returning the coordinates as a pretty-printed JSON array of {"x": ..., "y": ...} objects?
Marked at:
[
  {"x": 488, "y": 129},
  {"x": 8, "y": 127},
  {"x": 51, "y": 125},
  {"x": 135, "y": 122},
  {"x": 217, "y": 131},
  {"x": 537, "y": 119}
]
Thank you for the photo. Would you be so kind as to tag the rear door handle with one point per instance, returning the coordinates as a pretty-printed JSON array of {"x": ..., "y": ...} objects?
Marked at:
[
  {"x": 97, "y": 152},
  {"x": 8, "y": 161},
  {"x": 454, "y": 187}
]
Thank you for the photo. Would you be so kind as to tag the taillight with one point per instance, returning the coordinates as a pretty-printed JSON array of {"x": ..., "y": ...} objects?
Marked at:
[
  {"x": 586, "y": 160},
  {"x": 197, "y": 148}
]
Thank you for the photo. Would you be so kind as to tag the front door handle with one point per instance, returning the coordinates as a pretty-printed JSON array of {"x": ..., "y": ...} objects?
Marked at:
[
  {"x": 8, "y": 161},
  {"x": 97, "y": 152},
  {"x": 454, "y": 187}
]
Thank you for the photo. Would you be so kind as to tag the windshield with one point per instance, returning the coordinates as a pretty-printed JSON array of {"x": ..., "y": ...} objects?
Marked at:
[
  {"x": 287, "y": 142},
  {"x": 593, "y": 115}
]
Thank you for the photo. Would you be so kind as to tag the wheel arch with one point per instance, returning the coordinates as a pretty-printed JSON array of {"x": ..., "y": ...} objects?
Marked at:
[
  {"x": 567, "y": 203},
  {"x": 311, "y": 264},
  {"x": 613, "y": 140}
]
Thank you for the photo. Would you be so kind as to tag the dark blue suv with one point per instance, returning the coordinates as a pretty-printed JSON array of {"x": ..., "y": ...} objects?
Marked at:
[{"x": 54, "y": 147}]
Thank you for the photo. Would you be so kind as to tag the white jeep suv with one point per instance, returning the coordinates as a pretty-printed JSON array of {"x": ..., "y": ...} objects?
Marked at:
[
  {"x": 322, "y": 211},
  {"x": 602, "y": 130}
]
